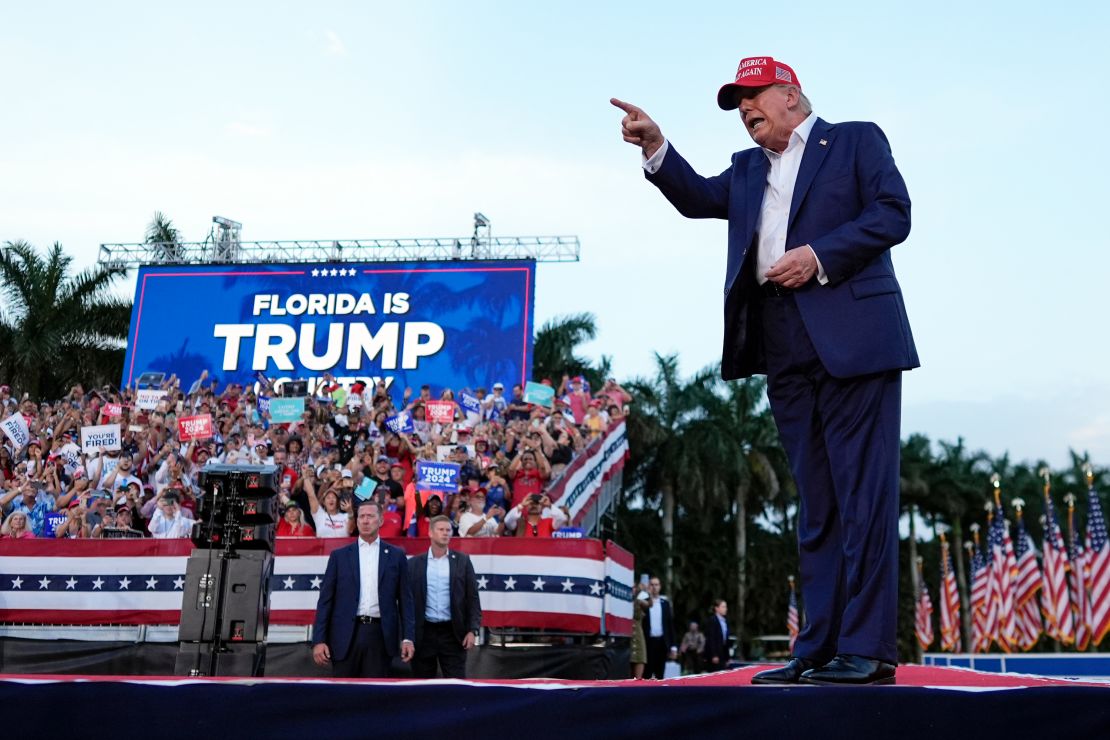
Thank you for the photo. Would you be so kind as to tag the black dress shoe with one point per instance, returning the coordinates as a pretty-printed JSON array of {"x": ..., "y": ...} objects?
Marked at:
[
  {"x": 788, "y": 674},
  {"x": 851, "y": 670}
]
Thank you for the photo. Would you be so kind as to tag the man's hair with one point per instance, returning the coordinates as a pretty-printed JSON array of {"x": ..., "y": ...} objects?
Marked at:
[
  {"x": 367, "y": 502},
  {"x": 437, "y": 519},
  {"x": 803, "y": 102},
  {"x": 717, "y": 602}
]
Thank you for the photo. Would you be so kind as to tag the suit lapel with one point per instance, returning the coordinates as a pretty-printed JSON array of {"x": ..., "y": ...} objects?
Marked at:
[
  {"x": 355, "y": 569},
  {"x": 818, "y": 145},
  {"x": 758, "y": 168},
  {"x": 383, "y": 552}
]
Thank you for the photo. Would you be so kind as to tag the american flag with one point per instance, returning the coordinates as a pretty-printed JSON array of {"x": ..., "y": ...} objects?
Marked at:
[
  {"x": 949, "y": 602},
  {"x": 1028, "y": 582},
  {"x": 1055, "y": 601},
  {"x": 923, "y": 614},
  {"x": 570, "y": 585},
  {"x": 1098, "y": 567},
  {"x": 1077, "y": 583},
  {"x": 793, "y": 622},
  {"x": 980, "y": 637},
  {"x": 1001, "y": 625}
]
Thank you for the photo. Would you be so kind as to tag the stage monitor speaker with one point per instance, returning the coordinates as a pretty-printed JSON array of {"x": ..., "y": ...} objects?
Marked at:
[
  {"x": 235, "y": 597},
  {"x": 231, "y": 659}
]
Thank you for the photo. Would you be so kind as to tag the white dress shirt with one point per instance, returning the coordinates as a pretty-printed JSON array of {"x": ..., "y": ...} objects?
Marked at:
[
  {"x": 368, "y": 555},
  {"x": 774, "y": 215},
  {"x": 655, "y": 618}
]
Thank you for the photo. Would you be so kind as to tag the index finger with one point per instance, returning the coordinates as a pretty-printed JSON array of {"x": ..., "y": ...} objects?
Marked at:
[{"x": 626, "y": 107}]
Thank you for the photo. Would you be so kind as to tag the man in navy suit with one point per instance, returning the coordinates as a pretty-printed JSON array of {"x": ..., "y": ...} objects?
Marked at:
[
  {"x": 448, "y": 607},
  {"x": 812, "y": 301},
  {"x": 365, "y": 612},
  {"x": 716, "y": 637}
]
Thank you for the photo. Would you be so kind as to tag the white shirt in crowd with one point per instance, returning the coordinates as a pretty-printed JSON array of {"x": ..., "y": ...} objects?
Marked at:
[
  {"x": 551, "y": 512},
  {"x": 469, "y": 519},
  {"x": 162, "y": 528},
  {"x": 368, "y": 556},
  {"x": 330, "y": 525}
]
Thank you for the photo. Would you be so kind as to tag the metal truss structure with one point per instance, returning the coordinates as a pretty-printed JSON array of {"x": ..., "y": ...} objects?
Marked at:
[
  {"x": 224, "y": 247},
  {"x": 539, "y": 248}
]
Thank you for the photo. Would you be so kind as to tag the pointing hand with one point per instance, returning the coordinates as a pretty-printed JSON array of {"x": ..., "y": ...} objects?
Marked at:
[{"x": 638, "y": 128}]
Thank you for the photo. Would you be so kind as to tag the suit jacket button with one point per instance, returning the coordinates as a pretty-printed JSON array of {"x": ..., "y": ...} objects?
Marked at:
[{"x": 726, "y": 291}]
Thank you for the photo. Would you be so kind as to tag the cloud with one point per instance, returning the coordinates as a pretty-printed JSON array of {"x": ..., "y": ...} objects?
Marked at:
[{"x": 335, "y": 46}]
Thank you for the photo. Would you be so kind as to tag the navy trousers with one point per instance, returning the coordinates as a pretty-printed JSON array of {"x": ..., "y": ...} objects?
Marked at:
[
  {"x": 842, "y": 436},
  {"x": 367, "y": 656}
]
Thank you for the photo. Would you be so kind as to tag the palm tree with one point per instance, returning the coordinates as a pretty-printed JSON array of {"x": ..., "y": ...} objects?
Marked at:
[
  {"x": 164, "y": 236},
  {"x": 666, "y": 458},
  {"x": 742, "y": 448},
  {"x": 553, "y": 352},
  {"x": 58, "y": 328}
]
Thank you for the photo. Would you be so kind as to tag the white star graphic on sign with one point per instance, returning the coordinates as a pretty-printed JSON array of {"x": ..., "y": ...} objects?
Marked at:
[
  {"x": 98, "y": 583},
  {"x": 595, "y": 588},
  {"x": 17, "y": 583},
  {"x": 315, "y": 582},
  {"x": 482, "y": 583},
  {"x": 71, "y": 583},
  {"x": 289, "y": 582},
  {"x": 151, "y": 583},
  {"x": 124, "y": 583},
  {"x": 537, "y": 585},
  {"x": 510, "y": 584},
  {"x": 315, "y": 273},
  {"x": 334, "y": 272},
  {"x": 44, "y": 583},
  {"x": 179, "y": 582},
  {"x": 342, "y": 273},
  {"x": 568, "y": 585}
]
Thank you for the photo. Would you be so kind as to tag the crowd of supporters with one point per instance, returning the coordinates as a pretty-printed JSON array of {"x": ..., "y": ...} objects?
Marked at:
[{"x": 342, "y": 448}]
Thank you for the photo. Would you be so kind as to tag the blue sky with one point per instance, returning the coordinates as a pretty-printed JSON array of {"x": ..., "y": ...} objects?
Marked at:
[{"x": 363, "y": 120}]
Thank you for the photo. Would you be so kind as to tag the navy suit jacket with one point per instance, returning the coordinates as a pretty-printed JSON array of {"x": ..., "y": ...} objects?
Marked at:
[
  {"x": 716, "y": 643},
  {"x": 466, "y": 605},
  {"x": 850, "y": 204},
  {"x": 338, "y": 604}
]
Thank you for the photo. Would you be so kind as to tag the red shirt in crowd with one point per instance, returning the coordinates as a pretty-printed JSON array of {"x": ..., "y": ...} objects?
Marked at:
[
  {"x": 391, "y": 524},
  {"x": 526, "y": 482}
]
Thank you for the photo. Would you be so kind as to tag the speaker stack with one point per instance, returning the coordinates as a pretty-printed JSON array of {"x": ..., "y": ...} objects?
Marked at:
[{"x": 226, "y": 605}]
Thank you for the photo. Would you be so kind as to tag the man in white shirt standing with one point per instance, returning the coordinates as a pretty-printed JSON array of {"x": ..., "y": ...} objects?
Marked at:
[
  {"x": 812, "y": 302},
  {"x": 364, "y": 617}
]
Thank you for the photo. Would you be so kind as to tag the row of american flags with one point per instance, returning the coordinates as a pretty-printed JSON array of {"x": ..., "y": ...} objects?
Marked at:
[{"x": 1017, "y": 594}]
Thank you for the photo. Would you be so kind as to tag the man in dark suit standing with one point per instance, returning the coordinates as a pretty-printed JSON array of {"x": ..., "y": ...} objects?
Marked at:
[
  {"x": 365, "y": 613},
  {"x": 811, "y": 300},
  {"x": 658, "y": 624},
  {"x": 716, "y": 637},
  {"x": 448, "y": 611}
]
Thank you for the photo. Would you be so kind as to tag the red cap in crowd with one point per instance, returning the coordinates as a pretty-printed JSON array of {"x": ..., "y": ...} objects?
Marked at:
[{"x": 755, "y": 72}]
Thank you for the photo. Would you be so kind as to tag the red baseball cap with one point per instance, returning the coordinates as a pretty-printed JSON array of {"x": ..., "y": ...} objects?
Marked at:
[{"x": 755, "y": 72}]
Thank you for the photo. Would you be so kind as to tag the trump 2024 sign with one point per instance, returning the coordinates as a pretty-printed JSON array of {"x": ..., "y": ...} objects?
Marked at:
[{"x": 450, "y": 324}]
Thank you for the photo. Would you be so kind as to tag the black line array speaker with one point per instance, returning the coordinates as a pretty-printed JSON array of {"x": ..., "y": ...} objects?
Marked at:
[
  {"x": 239, "y": 584},
  {"x": 225, "y": 608},
  {"x": 239, "y": 509}
]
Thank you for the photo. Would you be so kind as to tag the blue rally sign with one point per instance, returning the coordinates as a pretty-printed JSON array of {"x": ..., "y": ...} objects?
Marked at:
[
  {"x": 450, "y": 324},
  {"x": 437, "y": 476}
]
